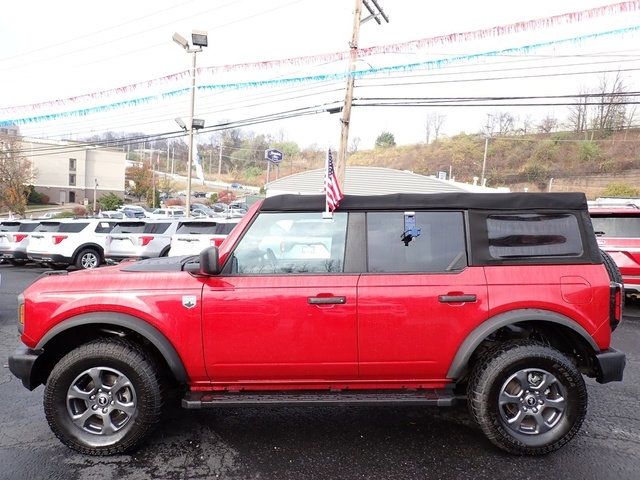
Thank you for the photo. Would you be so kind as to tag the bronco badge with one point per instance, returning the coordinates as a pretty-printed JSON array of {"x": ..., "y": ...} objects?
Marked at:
[{"x": 189, "y": 301}]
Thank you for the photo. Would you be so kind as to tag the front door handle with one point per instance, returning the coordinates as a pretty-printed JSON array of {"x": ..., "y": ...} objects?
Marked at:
[
  {"x": 327, "y": 300},
  {"x": 456, "y": 298}
]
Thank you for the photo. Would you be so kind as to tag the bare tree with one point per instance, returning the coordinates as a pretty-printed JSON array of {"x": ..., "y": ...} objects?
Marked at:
[
  {"x": 15, "y": 174},
  {"x": 548, "y": 124},
  {"x": 433, "y": 124},
  {"x": 578, "y": 113},
  {"x": 612, "y": 111},
  {"x": 355, "y": 143},
  {"x": 499, "y": 123}
]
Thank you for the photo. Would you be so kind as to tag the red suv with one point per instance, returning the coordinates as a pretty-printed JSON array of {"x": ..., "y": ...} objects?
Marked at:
[
  {"x": 618, "y": 233},
  {"x": 499, "y": 300}
]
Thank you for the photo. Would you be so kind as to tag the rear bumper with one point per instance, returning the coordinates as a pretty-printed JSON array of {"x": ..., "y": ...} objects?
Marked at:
[
  {"x": 115, "y": 259},
  {"x": 611, "y": 365},
  {"x": 21, "y": 364},
  {"x": 13, "y": 255},
  {"x": 50, "y": 258}
]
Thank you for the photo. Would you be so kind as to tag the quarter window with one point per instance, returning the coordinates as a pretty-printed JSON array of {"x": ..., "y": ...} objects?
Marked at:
[
  {"x": 415, "y": 241},
  {"x": 281, "y": 243},
  {"x": 533, "y": 235}
]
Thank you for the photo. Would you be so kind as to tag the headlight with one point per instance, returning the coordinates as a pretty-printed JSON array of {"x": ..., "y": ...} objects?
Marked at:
[{"x": 21, "y": 313}]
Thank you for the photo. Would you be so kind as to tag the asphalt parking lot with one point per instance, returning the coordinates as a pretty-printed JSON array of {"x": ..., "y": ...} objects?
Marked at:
[{"x": 319, "y": 443}]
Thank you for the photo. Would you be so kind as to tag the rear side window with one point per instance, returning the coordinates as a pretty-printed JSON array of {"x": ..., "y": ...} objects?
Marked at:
[
  {"x": 197, "y": 228},
  {"x": 48, "y": 227},
  {"x": 156, "y": 227},
  {"x": 529, "y": 235},
  {"x": 128, "y": 227},
  {"x": 74, "y": 227},
  {"x": 27, "y": 227},
  {"x": 415, "y": 241},
  {"x": 617, "y": 226},
  {"x": 104, "y": 227}
]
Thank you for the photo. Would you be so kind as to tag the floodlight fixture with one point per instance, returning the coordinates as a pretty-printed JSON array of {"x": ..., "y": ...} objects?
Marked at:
[
  {"x": 197, "y": 123},
  {"x": 180, "y": 40},
  {"x": 199, "y": 38},
  {"x": 181, "y": 124}
]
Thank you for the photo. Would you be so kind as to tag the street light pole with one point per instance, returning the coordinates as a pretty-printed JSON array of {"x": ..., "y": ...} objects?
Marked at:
[
  {"x": 199, "y": 40},
  {"x": 95, "y": 191}
]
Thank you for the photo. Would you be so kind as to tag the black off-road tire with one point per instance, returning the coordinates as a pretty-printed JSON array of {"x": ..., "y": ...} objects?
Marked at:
[
  {"x": 612, "y": 268},
  {"x": 104, "y": 355},
  {"x": 489, "y": 378},
  {"x": 17, "y": 262}
]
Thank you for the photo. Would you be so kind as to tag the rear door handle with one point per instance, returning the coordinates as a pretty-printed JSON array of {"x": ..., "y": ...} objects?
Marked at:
[
  {"x": 456, "y": 298},
  {"x": 326, "y": 300}
]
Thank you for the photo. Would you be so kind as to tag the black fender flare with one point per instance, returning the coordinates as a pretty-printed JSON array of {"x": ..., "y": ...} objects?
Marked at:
[
  {"x": 482, "y": 331},
  {"x": 143, "y": 328},
  {"x": 92, "y": 246}
]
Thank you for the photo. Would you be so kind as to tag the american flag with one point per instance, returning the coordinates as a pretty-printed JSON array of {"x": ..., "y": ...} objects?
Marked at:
[{"x": 331, "y": 185}]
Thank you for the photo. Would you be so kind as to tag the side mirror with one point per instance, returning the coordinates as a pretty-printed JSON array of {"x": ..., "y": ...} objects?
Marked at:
[{"x": 209, "y": 261}]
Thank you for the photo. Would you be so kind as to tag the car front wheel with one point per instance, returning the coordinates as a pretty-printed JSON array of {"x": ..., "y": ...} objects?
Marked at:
[
  {"x": 528, "y": 398},
  {"x": 103, "y": 398}
]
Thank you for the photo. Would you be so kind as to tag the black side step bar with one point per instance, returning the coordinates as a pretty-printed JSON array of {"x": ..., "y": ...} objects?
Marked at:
[{"x": 440, "y": 398}]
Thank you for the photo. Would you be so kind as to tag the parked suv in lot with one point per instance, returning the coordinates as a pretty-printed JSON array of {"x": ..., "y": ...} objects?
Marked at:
[
  {"x": 139, "y": 240},
  {"x": 499, "y": 300},
  {"x": 618, "y": 231},
  {"x": 14, "y": 238},
  {"x": 64, "y": 242},
  {"x": 193, "y": 236}
]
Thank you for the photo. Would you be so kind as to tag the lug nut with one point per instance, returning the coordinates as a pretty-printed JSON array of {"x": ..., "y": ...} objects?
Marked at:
[
  {"x": 535, "y": 410},
  {"x": 104, "y": 410},
  {"x": 92, "y": 397},
  {"x": 95, "y": 407}
]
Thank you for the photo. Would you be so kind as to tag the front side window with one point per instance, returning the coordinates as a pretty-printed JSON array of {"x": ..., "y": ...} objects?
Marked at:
[
  {"x": 281, "y": 243},
  {"x": 426, "y": 242},
  {"x": 533, "y": 235}
]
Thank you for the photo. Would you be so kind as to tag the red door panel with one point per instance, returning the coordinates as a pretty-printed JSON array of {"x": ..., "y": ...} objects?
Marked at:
[
  {"x": 411, "y": 325},
  {"x": 265, "y": 328}
]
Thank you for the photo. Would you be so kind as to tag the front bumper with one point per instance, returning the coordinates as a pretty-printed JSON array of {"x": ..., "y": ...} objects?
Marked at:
[
  {"x": 22, "y": 363},
  {"x": 611, "y": 365}
]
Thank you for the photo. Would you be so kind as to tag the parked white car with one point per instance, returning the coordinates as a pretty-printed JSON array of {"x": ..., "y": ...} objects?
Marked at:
[
  {"x": 64, "y": 242},
  {"x": 193, "y": 236},
  {"x": 139, "y": 239},
  {"x": 14, "y": 238}
]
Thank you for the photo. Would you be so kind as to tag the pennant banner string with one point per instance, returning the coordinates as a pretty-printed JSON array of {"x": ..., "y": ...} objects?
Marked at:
[
  {"x": 428, "y": 65},
  {"x": 403, "y": 47}
]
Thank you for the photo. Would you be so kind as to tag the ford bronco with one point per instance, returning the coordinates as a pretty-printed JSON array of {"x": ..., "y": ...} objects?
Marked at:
[{"x": 502, "y": 301}]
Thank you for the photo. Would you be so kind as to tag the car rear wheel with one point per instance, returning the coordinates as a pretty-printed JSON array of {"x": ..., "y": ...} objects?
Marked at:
[
  {"x": 103, "y": 398},
  {"x": 528, "y": 398},
  {"x": 17, "y": 263},
  {"x": 88, "y": 258}
]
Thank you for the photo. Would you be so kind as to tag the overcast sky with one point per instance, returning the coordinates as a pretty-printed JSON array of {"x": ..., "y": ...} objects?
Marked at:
[{"x": 55, "y": 50}]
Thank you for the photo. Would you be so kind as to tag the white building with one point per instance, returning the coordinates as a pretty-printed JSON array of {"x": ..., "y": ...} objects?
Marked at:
[{"x": 67, "y": 171}]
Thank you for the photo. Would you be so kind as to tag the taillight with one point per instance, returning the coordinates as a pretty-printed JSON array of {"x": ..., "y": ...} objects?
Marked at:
[
  {"x": 216, "y": 241},
  {"x": 616, "y": 300},
  {"x": 144, "y": 240},
  {"x": 58, "y": 238},
  {"x": 18, "y": 237}
]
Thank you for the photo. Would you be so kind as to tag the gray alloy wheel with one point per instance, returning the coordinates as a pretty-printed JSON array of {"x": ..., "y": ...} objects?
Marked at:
[
  {"x": 102, "y": 401},
  {"x": 527, "y": 397},
  {"x": 532, "y": 401},
  {"x": 104, "y": 397},
  {"x": 88, "y": 259}
]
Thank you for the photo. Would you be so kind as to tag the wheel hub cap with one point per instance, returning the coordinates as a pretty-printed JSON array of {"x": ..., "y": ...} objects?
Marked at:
[{"x": 532, "y": 401}]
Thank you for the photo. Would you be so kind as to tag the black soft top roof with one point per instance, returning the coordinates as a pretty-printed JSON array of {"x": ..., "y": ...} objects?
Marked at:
[{"x": 418, "y": 201}]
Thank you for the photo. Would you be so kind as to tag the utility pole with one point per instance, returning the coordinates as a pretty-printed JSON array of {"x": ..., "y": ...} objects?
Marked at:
[
  {"x": 484, "y": 160},
  {"x": 341, "y": 161},
  {"x": 220, "y": 161},
  {"x": 95, "y": 191}
]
